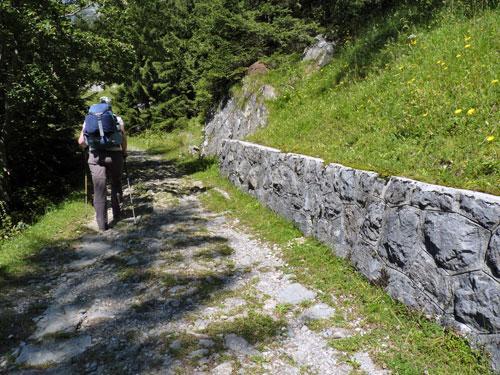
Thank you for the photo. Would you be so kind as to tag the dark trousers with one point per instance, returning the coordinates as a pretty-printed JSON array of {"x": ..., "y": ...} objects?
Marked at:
[{"x": 106, "y": 165}]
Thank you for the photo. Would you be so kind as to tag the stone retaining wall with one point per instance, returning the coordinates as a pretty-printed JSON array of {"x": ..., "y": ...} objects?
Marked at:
[{"x": 434, "y": 248}]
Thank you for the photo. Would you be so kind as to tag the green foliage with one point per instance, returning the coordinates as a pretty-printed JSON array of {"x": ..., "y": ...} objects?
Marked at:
[
  {"x": 62, "y": 223},
  {"x": 45, "y": 64},
  {"x": 188, "y": 53}
]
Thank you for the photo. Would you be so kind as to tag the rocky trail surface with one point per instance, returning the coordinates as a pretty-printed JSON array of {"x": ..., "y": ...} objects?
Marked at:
[{"x": 181, "y": 292}]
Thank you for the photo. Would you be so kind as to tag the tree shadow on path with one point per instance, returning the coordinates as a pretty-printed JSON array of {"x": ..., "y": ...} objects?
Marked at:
[{"x": 123, "y": 288}]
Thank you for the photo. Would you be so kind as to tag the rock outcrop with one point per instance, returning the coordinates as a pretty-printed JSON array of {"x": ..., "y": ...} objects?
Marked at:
[
  {"x": 321, "y": 52},
  {"x": 237, "y": 118}
]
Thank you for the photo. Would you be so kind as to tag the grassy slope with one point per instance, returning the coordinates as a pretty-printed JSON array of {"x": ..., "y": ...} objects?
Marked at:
[
  {"x": 63, "y": 223},
  {"x": 426, "y": 110},
  {"x": 401, "y": 339}
]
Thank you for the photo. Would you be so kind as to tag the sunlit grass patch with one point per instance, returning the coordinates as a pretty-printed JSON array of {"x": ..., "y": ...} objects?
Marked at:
[
  {"x": 256, "y": 327},
  {"x": 62, "y": 224}
]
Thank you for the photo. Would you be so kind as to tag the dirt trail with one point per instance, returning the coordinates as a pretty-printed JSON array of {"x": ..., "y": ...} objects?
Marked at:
[{"x": 181, "y": 292}]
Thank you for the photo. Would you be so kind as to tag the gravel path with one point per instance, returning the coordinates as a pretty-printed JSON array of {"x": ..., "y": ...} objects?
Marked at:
[{"x": 181, "y": 292}]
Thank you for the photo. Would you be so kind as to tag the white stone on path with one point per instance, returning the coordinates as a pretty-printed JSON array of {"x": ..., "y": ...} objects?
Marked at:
[
  {"x": 225, "y": 368},
  {"x": 294, "y": 294},
  {"x": 59, "y": 319},
  {"x": 318, "y": 311},
  {"x": 239, "y": 345},
  {"x": 53, "y": 353}
]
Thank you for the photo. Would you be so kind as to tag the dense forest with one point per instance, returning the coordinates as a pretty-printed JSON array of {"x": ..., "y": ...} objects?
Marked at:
[{"x": 172, "y": 61}]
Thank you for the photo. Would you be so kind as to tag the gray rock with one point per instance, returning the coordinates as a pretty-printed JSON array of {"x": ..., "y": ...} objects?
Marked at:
[
  {"x": 367, "y": 365},
  {"x": 318, "y": 311},
  {"x": 176, "y": 345},
  {"x": 493, "y": 254},
  {"x": 294, "y": 294},
  {"x": 92, "y": 247},
  {"x": 433, "y": 280},
  {"x": 79, "y": 265},
  {"x": 336, "y": 333},
  {"x": 400, "y": 237},
  {"x": 414, "y": 239},
  {"x": 234, "y": 122},
  {"x": 59, "y": 319},
  {"x": 132, "y": 261},
  {"x": 98, "y": 313},
  {"x": 53, "y": 353},
  {"x": 239, "y": 345},
  {"x": 455, "y": 243},
  {"x": 402, "y": 288},
  {"x": 200, "y": 353},
  {"x": 399, "y": 191},
  {"x": 482, "y": 208},
  {"x": 426, "y": 196},
  {"x": 225, "y": 368},
  {"x": 206, "y": 343},
  {"x": 477, "y": 302},
  {"x": 321, "y": 52}
]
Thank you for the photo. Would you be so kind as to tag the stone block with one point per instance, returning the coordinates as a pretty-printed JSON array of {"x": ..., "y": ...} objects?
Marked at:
[
  {"x": 373, "y": 219},
  {"x": 493, "y": 254},
  {"x": 435, "y": 281},
  {"x": 400, "y": 238},
  {"x": 366, "y": 260},
  {"x": 367, "y": 185},
  {"x": 482, "y": 208},
  {"x": 347, "y": 184},
  {"x": 455, "y": 242},
  {"x": 399, "y": 191},
  {"x": 353, "y": 217},
  {"x": 426, "y": 196},
  {"x": 477, "y": 302},
  {"x": 404, "y": 290}
]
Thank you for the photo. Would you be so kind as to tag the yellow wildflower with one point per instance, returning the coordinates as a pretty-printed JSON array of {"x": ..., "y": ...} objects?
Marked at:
[
  {"x": 458, "y": 111},
  {"x": 467, "y": 38},
  {"x": 471, "y": 111},
  {"x": 425, "y": 114},
  {"x": 467, "y": 46},
  {"x": 438, "y": 62},
  {"x": 494, "y": 82},
  {"x": 413, "y": 42},
  {"x": 490, "y": 138}
]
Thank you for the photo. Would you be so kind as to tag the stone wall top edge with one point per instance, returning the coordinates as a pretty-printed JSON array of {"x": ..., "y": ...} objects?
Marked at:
[
  {"x": 495, "y": 199},
  {"x": 312, "y": 158},
  {"x": 250, "y": 144}
]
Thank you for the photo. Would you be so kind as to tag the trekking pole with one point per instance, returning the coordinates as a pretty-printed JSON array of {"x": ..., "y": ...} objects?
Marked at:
[
  {"x": 129, "y": 189},
  {"x": 85, "y": 178}
]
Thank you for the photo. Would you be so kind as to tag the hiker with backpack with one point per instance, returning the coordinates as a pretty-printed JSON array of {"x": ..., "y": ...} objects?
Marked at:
[{"x": 104, "y": 134}]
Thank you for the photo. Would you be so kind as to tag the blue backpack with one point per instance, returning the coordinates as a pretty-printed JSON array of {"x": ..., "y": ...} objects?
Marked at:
[{"x": 101, "y": 129}]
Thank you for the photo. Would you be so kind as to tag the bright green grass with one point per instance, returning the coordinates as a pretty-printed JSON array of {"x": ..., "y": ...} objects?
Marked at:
[
  {"x": 173, "y": 145},
  {"x": 62, "y": 223},
  {"x": 404, "y": 340},
  {"x": 398, "y": 108}
]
